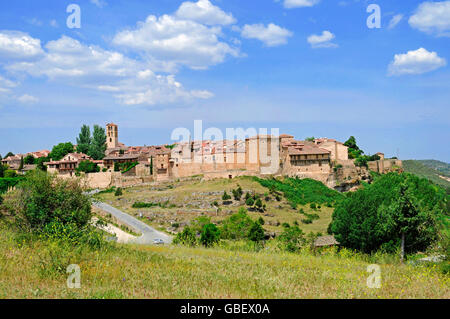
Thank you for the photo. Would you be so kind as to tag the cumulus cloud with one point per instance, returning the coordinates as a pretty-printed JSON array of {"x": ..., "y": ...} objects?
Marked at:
[
  {"x": 67, "y": 60},
  {"x": 289, "y": 4},
  {"x": 432, "y": 18},
  {"x": 204, "y": 12},
  {"x": 19, "y": 45},
  {"x": 415, "y": 62},
  {"x": 271, "y": 35},
  {"x": 322, "y": 41},
  {"x": 395, "y": 20},
  {"x": 171, "y": 42},
  {"x": 27, "y": 99}
]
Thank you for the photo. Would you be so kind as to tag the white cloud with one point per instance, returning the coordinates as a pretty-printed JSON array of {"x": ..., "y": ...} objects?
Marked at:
[
  {"x": 171, "y": 42},
  {"x": 6, "y": 85},
  {"x": 272, "y": 35},
  {"x": 68, "y": 61},
  {"x": 204, "y": 12},
  {"x": 415, "y": 62},
  {"x": 322, "y": 41},
  {"x": 289, "y": 4},
  {"x": 395, "y": 20},
  {"x": 99, "y": 3},
  {"x": 432, "y": 18},
  {"x": 19, "y": 45},
  {"x": 27, "y": 99}
]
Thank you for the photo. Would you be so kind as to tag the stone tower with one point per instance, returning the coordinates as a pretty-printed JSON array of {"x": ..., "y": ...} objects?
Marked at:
[{"x": 112, "y": 135}]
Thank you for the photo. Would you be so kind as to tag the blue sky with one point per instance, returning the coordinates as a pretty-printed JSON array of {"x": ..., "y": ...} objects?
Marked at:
[{"x": 308, "y": 67}]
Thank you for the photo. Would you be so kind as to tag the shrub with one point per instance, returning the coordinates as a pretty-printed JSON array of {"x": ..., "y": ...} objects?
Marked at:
[
  {"x": 9, "y": 173},
  {"x": 237, "y": 226},
  {"x": 291, "y": 239},
  {"x": 261, "y": 221},
  {"x": 225, "y": 196},
  {"x": 210, "y": 235},
  {"x": 250, "y": 202},
  {"x": 41, "y": 199},
  {"x": 88, "y": 167},
  {"x": 256, "y": 232},
  {"x": 143, "y": 205},
  {"x": 186, "y": 237},
  {"x": 312, "y": 205},
  {"x": 118, "y": 192}
]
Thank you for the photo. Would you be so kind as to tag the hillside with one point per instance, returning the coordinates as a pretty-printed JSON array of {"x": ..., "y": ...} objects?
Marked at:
[
  {"x": 121, "y": 271},
  {"x": 442, "y": 167},
  {"x": 170, "y": 206},
  {"x": 429, "y": 169}
]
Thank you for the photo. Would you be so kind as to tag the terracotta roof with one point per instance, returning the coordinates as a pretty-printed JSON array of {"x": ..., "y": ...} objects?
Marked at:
[
  {"x": 303, "y": 148},
  {"x": 325, "y": 241}
]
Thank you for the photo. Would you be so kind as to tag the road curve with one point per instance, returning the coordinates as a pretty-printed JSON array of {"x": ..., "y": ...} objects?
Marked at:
[{"x": 148, "y": 233}]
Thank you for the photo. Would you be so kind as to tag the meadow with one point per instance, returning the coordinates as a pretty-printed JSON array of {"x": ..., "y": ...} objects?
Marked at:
[{"x": 37, "y": 269}]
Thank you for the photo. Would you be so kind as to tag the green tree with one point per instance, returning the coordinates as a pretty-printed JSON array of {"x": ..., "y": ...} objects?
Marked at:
[
  {"x": 30, "y": 160},
  {"x": 61, "y": 150},
  {"x": 151, "y": 165},
  {"x": 40, "y": 163},
  {"x": 210, "y": 235},
  {"x": 3, "y": 168},
  {"x": 98, "y": 147},
  {"x": 310, "y": 139},
  {"x": 88, "y": 167},
  {"x": 259, "y": 204},
  {"x": 9, "y": 154},
  {"x": 84, "y": 139},
  {"x": 256, "y": 232},
  {"x": 353, "y": 150},
  {"x": 118, "y": 192},
  {"x": 394, "y": 209}
]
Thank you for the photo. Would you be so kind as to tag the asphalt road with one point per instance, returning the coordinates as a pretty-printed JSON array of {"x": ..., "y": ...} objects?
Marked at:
[{"x": 148, "y": 233}]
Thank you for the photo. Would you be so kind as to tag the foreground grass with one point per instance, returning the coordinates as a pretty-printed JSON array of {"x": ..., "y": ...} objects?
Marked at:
[{"x": 38, "y": 270}]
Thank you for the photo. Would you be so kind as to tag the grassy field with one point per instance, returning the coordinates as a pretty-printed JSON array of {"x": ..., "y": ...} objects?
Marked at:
[
  {"x": 38, "y": 270},
  {"x": 186, "y": 200}
]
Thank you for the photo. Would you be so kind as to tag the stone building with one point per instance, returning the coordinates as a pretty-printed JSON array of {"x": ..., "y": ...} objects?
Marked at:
[{"x": 68, "y": 164}]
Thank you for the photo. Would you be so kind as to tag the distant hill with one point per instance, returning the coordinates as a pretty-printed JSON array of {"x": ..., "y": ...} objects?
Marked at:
[
  {"x": 442, "y": 167},
  {"x": 435, "y": 171}
]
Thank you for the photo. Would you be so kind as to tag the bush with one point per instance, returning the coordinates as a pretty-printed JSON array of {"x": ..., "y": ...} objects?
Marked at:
[
  {"x": 210, "y": 235},
  {"x": 312, "y": 205},
  {"x": 250, "y": 202},
  {"x": 41, "y": 199},
  {"x": 186, "y": 237},
  {"x": 256, "y": 232},
  {"x": 143, "y": 205},
  {"x": 225, "y": 196},
  {"x": 9, "y": 173},
  {"x": 261, "y": 221},
  {"x": 237, "y": 226},
  {"x": 291, "y": 239},
  {"x": 118, "y": 192}
]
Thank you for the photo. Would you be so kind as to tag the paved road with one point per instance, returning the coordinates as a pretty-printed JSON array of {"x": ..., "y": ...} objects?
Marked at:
[{"x": 148, "y": 233}]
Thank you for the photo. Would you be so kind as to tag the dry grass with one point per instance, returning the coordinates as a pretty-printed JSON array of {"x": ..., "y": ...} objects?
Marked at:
[{"x": 37, "y": 270}]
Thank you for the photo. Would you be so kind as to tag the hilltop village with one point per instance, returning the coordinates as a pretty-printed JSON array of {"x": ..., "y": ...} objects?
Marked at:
[{"x": 323, "y": 159}]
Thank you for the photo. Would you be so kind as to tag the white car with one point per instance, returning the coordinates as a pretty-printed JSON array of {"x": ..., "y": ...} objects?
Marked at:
[{"x": 158, "y": 241}]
